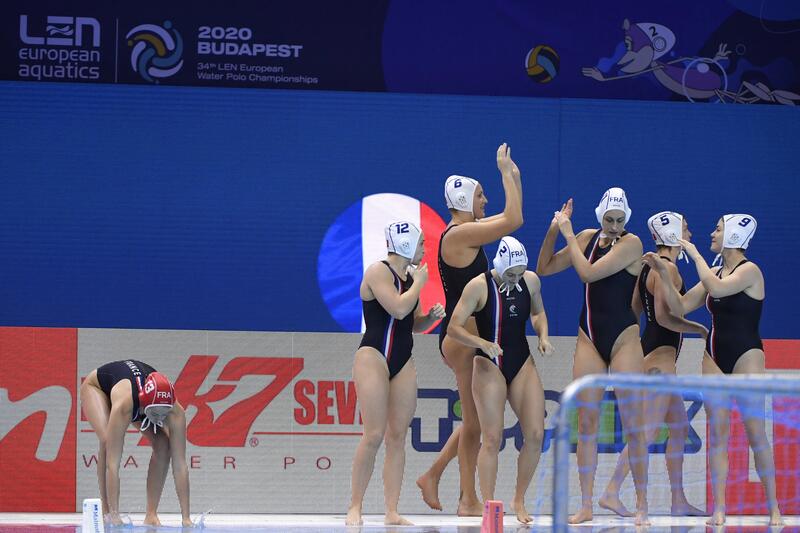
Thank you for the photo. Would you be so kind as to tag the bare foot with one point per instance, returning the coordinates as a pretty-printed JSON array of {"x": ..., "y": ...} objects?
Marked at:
[
  {"x": 583, "y": 515},
  {"x": 641, "y": 519},
  {"x": 394, "y": 519},
  {"x": 470, "y": 508},
  {"x": 518, "y": 507},
  {"x": 114, "y": 519},
  {"x": 353, "y": 517},
  {"x": 717, "y": 519},
  {"x": 775, "y": 518},
  {"x": 614, "y": 504},
  {"x": 686, "y": 509},
  {"x": 429, "y": 486},
  {"x": 152, "y": 520}
]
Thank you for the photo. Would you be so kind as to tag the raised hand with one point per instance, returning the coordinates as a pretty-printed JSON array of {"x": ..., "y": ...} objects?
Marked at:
[
  {"x": 420, "y": 275},
  {"x": 504, "y": 162},
  {"x": 562, "y": 218},
  {"x": 690, "y": 249},
  {"x": 554, "y": 221},
  {"x": 567, "y": 209}
]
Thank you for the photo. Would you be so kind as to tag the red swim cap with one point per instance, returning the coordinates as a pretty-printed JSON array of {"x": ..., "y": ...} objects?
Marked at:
[{"x": 157, "y": 391}]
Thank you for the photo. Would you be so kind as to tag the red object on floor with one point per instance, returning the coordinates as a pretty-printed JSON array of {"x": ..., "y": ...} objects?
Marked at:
[{"x": 492, "y": 517}]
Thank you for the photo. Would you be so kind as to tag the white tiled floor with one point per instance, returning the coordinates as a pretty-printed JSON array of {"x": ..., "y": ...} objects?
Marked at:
[{"x": 69, "y": 523}]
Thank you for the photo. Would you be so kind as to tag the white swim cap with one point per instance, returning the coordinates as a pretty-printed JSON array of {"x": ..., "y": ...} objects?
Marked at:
[
  {"x": 738, "y": 230},
  {"x": 614, "y": 198},
  {"x": 459, "y": 191},
  {"x": 402, "y": 238},
  {"x": 666, "y": 228},
  {"x": 510, "y": 253}
]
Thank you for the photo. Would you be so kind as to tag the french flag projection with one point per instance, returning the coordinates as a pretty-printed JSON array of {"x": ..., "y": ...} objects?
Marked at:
[{"x": 356, "y": 239}]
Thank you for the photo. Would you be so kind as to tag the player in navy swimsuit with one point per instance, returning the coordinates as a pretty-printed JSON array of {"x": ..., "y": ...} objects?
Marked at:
[
  {"x": 502, "y": 300},
  {"x": 389, "y": 336},
  {"x": 733, "y": 294},
  {"x": 461, "y": 258},
  {"x": 608, "y": 261},
  {"x": 118, "y": 394},
  {"x": 661, "y": 342},
  {"x": 383, "y": 370}
]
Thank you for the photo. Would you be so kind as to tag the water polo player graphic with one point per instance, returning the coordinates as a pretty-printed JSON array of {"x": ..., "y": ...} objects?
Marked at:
[{"x": 695, "y": 78}]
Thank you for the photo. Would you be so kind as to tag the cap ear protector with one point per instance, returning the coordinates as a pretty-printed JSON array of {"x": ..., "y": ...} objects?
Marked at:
[
  {"x": 666, "y": 228},
  {"x": 510, "y": 253},
  {"x": 402, "y": 238},
  {"x": 459, "y": 192},
  {"x": 613, "y": 198},
  {"x": 737, "y": 232}
]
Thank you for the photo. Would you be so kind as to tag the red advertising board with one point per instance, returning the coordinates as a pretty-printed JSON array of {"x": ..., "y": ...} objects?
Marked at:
[{"x": 38, "y": 395}]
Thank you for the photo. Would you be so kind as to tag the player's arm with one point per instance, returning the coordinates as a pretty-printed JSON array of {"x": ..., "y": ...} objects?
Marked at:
[
  {"x": 636, "y": 300},
  {"x": 472, "y": 299},
  {"x": 742, "y": 278},
  {"x": 538, "y": 314},
  {"x": 475, "y": 234},
  {"x": 423, "y": 321},
  {"x": 678, "y": 305},
  {"x": 515, "y": 174},
  {"x": 626, "y": 251},
  {"x": 549, "y": 261},
  {"x": 664, "y": 317},
  {"x": 380, "y": 281},
  {"x": 118, "y": 420}
]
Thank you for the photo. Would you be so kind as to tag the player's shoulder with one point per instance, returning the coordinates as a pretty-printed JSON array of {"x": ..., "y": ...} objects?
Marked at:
[
  {"x": 587, "y": 233},
  {"x": 532, "y": 280},
  {"x": 378, "y": 271},
  {"x": 476, "y": 282},
  {"x": 631, "y": 238}
]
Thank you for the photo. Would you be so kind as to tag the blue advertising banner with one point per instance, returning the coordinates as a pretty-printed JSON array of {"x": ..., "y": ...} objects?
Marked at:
[
  {"x": 288, "y": 45},
  {"x": 125, "y": 206},
  {"x": 743, "y": 51}
]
